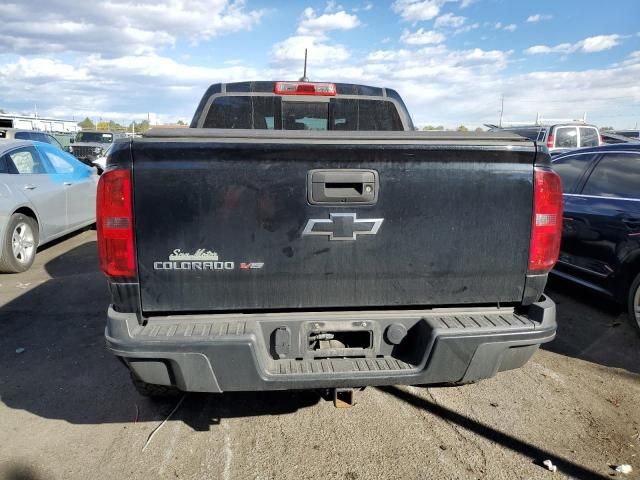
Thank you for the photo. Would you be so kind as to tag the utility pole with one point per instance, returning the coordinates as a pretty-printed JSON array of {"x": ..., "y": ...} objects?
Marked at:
[{"x": 501, "y": 110}]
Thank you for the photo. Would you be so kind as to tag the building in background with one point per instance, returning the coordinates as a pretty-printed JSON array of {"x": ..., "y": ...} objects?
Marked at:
[{"x": 53, "y": 125}]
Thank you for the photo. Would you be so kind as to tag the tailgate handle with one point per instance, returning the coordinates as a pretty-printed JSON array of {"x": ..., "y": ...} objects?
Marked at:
[{"x": 343, "y": 186}]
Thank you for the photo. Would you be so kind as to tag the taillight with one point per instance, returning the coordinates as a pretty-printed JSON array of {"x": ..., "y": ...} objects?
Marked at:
[
  {"x": 550, "y": 140},
  {"x": 547, "y": 221},
  {"x": 114, "y": 224},
  {"x": 305, "y": 88}
]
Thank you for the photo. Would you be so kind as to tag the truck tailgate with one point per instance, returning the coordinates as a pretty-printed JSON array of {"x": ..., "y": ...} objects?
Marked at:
[{"x": 226, "y": 224}]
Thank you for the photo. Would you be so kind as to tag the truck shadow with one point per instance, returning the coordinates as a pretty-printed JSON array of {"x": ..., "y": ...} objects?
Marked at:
[
  {"x": 65, "y": 371},
  {"x": 535, "y": 454},
  {"x": 592, "y": 327}
]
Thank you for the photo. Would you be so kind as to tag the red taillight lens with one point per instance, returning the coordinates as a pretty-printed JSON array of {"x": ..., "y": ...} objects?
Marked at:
[
  {"x": 114, "y": 222},
  {"x": 547, "y": 221},
  {"x": 550, "y": 140},
  {"x": 305, "y": 88}
]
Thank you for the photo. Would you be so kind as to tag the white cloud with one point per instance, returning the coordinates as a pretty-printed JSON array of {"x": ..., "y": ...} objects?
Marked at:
[
  {"x": 421, "y": 37},
  {"x": 311, "y": 24},
  {"x": 543, "y": 49},
  {"x": 388, "y": 55},
  {"x": 416, "y": 10},
  {"x": 512, "y": 27},
  {"x": 466, "y": 3},
  {"x": 332, "y": 6},
  {"x": 139, "y": 26},
  {"x": 538, "y": 17},
  {"x": 110, "y": 87},
  {"x": 449, "y": 20},
  {"x": 598, "y": 43},
  {"x": 312, "y": 33},
  {"x": 42, "y": 70},
  {"x": 467, "y": 28},
  {"x": 291, "y": 51}
]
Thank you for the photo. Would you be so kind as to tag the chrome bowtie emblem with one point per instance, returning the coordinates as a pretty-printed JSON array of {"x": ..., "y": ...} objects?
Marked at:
[{"x": 343, "y": 226}]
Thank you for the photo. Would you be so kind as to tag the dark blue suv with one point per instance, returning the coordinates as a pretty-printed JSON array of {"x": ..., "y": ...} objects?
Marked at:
[{"x": 601, "y": 227}]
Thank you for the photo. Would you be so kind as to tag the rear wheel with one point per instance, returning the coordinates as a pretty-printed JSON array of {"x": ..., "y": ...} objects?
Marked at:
[
  {"x": 634, "y": 304},
  {"x": 19, "y": 244},
  {"x": 153, "y": 391}
]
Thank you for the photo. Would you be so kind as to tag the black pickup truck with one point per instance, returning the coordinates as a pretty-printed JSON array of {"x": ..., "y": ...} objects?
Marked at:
[{"x": 303, "y": 235}]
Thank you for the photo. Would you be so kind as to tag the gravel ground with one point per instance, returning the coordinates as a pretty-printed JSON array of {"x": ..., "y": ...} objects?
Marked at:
[{"x": 68, "y": 410}]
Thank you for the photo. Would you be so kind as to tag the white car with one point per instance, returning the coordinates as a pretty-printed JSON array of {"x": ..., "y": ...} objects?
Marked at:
[
  {"x": 101, "y": 162},
  {"x": 45, "y": 193}
]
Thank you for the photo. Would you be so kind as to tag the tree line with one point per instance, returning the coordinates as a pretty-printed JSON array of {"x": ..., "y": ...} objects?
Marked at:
[
  {"x": 138, "y": 127},
  {"x": 461, "y": 128}
]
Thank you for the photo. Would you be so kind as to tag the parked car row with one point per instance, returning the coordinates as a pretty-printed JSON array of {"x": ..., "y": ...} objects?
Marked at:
[
  {"x": 600, "y": 246},
  {"x": 45, "y": 193},
  {"x": 600, "y": 174},
  {"x": 89, "y": 146},
  {"x": 18, "y": 134},
  {"x": 613, "y": 137}
]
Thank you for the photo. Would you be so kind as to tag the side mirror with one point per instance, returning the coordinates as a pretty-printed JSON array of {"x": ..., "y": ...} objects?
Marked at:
[{"x": 71, "y": 140}]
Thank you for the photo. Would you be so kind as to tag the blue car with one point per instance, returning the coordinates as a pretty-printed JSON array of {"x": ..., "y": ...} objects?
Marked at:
[{"x": 601, "y": 227}]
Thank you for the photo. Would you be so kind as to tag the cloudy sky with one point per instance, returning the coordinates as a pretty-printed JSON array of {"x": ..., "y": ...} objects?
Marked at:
[{"x": 452, "y": 60}]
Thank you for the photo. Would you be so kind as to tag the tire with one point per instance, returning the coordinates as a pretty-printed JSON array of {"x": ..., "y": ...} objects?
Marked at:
[
  {"x": 633, "y": 304},
  {"x": 153, "y": 391},
  {"x": 19, "y": 245}
]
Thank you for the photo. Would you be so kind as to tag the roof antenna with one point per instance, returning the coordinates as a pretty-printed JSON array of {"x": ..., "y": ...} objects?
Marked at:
[{"x": 304, "y": 74}]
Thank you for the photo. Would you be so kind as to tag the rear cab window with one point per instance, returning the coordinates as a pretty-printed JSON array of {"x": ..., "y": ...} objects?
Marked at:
[
  {"x": 304, "y": 115},
  {"x": 364, "y": 115},
  {"x": 566, "y": 137},
  {"x": 272, "y": 112},
  {"x": 589, "y": 137},
  {"x": 247, "y": 112}
]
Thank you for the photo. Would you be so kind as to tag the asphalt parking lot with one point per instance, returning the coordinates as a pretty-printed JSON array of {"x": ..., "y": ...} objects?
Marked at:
[{"x": 68, "y": 410}]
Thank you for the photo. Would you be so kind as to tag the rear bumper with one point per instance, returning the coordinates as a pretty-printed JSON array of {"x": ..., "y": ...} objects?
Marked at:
[{"x": 216, "y": 353}]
